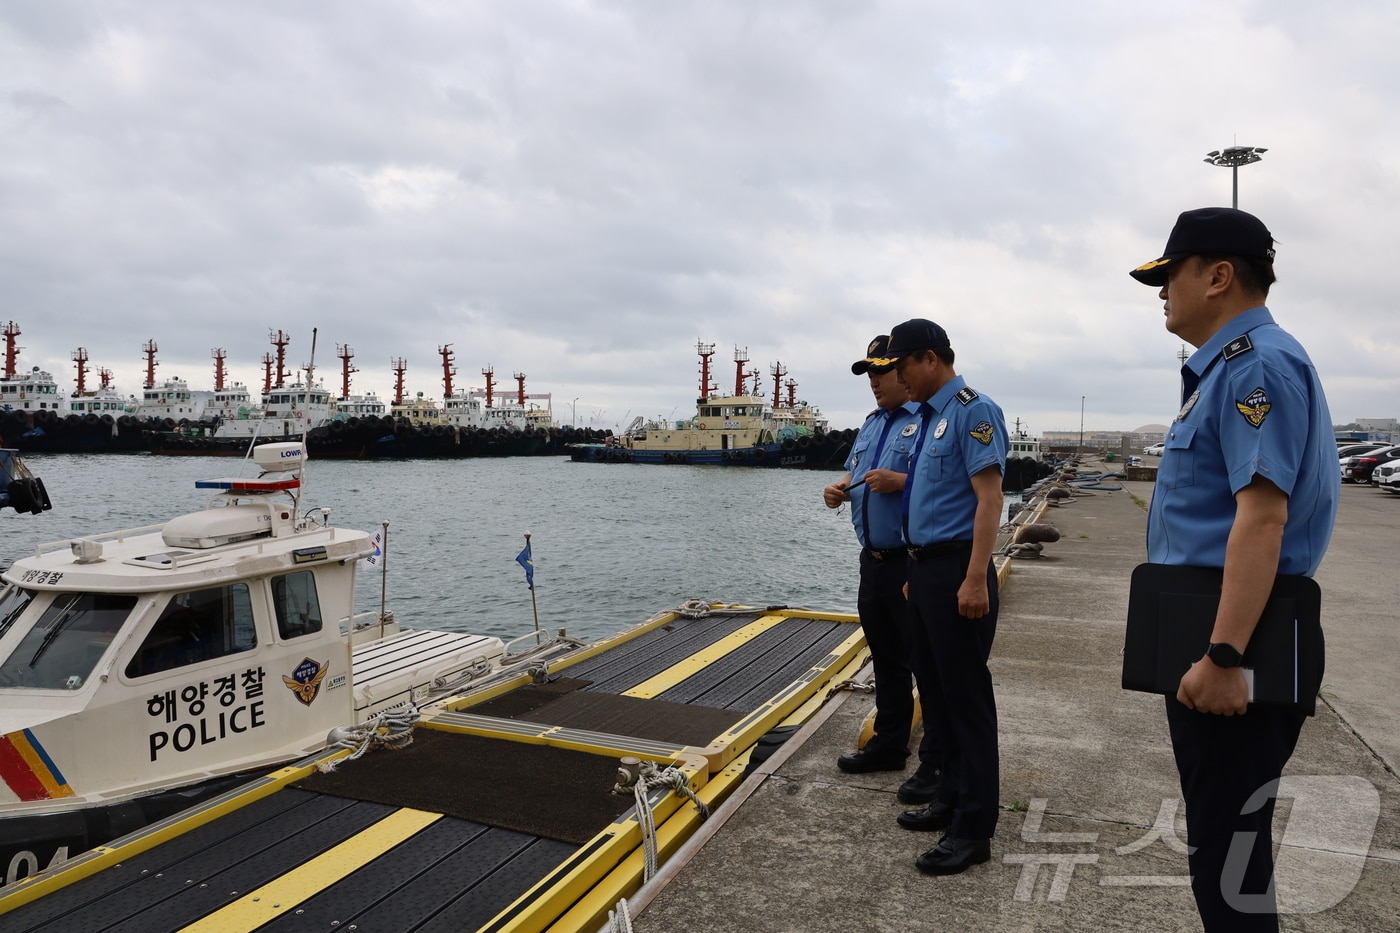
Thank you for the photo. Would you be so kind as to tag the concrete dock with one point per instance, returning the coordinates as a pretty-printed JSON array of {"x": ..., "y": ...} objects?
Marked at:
[{"x": 1091, "y": 835}]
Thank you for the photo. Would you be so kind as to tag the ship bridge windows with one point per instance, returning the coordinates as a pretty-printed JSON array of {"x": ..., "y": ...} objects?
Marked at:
[
  {"x": 197, "y": 626},
  {"x": 298, "y": 608},
  {"x": 67, "y": 641},
  {"x": 13, "y": 602}
]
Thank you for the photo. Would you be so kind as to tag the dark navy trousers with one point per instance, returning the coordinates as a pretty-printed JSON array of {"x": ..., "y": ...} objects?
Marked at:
[
  {"x": 884, "y": 615},
  {"x": 1224, "y": 761},
  {"x": 950, "y": 654}
]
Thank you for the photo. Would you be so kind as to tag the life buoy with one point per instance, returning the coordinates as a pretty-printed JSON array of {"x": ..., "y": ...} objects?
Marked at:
[{"x": 702, "y": 425}]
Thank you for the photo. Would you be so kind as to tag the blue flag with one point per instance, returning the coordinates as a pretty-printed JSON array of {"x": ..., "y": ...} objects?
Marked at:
[{"x": 524, "y": 560}]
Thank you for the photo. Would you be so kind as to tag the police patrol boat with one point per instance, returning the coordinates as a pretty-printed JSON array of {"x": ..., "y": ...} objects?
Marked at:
[
  {"x": 144, "y": 670},
  {"x": 535, "y": 791}
]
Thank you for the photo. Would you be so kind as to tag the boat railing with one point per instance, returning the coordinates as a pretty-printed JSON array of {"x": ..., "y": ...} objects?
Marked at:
[{"x": 118, "y": 536}]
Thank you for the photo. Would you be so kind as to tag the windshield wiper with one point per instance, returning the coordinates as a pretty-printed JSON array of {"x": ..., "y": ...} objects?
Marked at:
[{"x": 69, "y": 614}]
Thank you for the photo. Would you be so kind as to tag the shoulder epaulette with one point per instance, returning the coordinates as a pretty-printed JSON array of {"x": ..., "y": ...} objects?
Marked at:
[
  {"x": 1234, "y": 348},
  {"x": 966, "y": 395}
]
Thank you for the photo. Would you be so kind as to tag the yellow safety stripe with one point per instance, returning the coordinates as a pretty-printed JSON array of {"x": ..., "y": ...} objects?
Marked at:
[
  {"x": 285, "y": 893},
  {"x": 655, "y": 686}
]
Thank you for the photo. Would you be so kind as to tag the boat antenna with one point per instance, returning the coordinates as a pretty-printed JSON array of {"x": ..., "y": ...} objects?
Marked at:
[
  {"x": 306, "y": 415},
  {"x": 383, "y": 572},
  {"x": 310, "y": 379}
]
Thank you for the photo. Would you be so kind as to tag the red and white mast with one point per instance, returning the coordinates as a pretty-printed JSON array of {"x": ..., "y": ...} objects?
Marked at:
[
  {"x": 706, "y": 350},
  {"x": 400, "y": 367},
  {"x": 80, "y": 359},
  {"x": 219, "y": 372},
  {"x": 448, "y": 370},
  {"x": 346, "y": 354}
]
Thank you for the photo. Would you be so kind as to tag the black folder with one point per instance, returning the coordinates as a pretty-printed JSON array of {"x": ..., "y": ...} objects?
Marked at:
[{"x": 1171, "y": 612}]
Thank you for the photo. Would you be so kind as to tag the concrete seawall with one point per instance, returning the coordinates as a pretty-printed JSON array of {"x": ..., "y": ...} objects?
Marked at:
[{"x": 1086, "y": 773}]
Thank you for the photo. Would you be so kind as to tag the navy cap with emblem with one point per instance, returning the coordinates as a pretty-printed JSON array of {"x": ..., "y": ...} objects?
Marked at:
[
  {"x": 914, "y": 336},
  {"x": 1209, "y": 231},
  {"x": 875, "y": 358}
]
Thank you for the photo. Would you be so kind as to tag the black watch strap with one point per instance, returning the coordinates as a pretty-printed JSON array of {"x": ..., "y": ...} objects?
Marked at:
[{"x": 1223, "y": 654}]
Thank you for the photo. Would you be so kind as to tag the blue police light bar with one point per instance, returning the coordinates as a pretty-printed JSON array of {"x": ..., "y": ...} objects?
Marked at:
[{"x": 248, "y": 486}]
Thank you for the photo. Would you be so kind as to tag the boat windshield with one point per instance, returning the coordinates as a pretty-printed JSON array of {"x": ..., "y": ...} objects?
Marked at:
[
  {"x": 13, "y": 602},
  {"x": 63, "y": 647}
]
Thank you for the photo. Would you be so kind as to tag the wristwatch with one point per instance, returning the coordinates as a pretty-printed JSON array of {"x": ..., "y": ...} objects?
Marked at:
[{"x": 1223, "y": 654}]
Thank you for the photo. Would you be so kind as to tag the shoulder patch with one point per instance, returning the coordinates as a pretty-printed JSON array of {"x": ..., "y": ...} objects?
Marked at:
[
  {"x": 1255, "y": 408},
  {"x": 982, "y": 433},
  {"x": 966, "y": 396},
  {"x": 1234, "y": 348}
]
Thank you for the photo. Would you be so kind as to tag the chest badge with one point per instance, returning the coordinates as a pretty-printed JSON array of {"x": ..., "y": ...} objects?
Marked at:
[
  {"x": 1190, "y": 403},
  {"x": 942, "y": 427},
  {"x": 982, "y": 434},
  {"x": 1255, "y": 407},
  {"x": 909, "y": 429}
]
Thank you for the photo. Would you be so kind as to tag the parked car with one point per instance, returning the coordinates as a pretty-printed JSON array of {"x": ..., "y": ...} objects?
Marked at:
[
  {"x": 1358, "y": 469},
  {"x": 1155, "y": 450},
  {"x": 1387, "y": 476},
  {"x": 1354, "y": 450}
]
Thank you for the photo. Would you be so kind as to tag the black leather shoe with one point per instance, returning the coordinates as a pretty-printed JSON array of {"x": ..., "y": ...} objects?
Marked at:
[
  {"x": 922, "y": 787},
  {"x": 953, "y": 855},
  {"x": 872, "y": 759},
  {"x": 937, "y": 815}
]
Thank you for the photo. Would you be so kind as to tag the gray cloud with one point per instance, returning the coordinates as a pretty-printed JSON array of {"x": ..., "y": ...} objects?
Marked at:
[{"x": 582, "y": 191}]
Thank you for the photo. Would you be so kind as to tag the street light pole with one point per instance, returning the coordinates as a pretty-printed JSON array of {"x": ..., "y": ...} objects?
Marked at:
[
  {"x": 1232, "y": 158},
  {"x": 1080, "y": 449},
  {"x": 573, "y": 418}
]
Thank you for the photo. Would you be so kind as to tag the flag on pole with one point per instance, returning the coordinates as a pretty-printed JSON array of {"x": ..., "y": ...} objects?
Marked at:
[
  {"x": 524, "y": 560},
  {"x": 375, "y": 561}
]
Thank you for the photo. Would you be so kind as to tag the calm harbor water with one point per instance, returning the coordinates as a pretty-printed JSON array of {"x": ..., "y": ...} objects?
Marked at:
[{"x": 612, "y": 543}]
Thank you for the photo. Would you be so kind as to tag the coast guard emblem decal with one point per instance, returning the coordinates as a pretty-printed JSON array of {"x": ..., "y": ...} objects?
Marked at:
[
  {"x": 982, "y": 433},
  {"x": 1256, "y": 407},
  {"x": 305, "y": 681}
]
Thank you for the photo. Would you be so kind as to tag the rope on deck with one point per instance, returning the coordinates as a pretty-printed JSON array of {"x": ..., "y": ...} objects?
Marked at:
[
  {"x": 620, "y": 918},
  {"x": 397, "y": 732},
  {"x": 648, "y": 777}
]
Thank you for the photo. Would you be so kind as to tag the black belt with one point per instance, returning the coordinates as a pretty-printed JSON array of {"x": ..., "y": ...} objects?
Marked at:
[
  {"x": 941, "y": 549},
  {"x": 893, "y": 553}
]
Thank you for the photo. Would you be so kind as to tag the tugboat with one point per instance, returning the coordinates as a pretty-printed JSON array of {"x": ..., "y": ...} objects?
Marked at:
[
  {"x": 288, "y": 411},
  {"x": 741, "y": 429},
  {"x": 1025, "y": 464}
]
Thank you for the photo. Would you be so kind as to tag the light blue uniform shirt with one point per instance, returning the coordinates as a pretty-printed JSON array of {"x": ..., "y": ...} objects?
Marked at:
[
  {"x": 1257, "y": 410},
  {"x": 878, "y": 516},
  {"x": 966, "y": 434}
]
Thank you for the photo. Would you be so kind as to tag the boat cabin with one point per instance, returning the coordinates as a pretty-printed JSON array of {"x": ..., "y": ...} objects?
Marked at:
[{"x": 220, "y": 642}]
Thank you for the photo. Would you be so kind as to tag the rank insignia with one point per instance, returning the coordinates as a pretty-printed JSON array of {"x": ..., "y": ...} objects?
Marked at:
[
  {"x": 1234, "y": 348},
  {"x": 939, "y": 431},
  {"x": 855, "y": 460},
  {"x": 966, "y": 395},
  {"x": 982, "y": 433},
  {"x": 1256, "y": 407},
  {"x": 305, "y": 681},
  {"x": 910, "y": 429}
]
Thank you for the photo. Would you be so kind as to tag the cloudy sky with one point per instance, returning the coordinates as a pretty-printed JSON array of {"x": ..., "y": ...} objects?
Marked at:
[{"x": 582, "y": 190}]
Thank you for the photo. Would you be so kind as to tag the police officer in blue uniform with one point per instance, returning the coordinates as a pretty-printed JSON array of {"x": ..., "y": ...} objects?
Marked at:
[
  {"x": 874, "y": 485},
  {"x": 1248, "y": 482},
  {"x": 951, "y": 512}
]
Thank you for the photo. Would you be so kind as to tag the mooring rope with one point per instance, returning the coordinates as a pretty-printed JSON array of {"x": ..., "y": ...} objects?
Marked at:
[
  {"x": 620, "y": 918},
  {"x": 648, "y": 777},
  {"x": 397, "y": 725}
]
